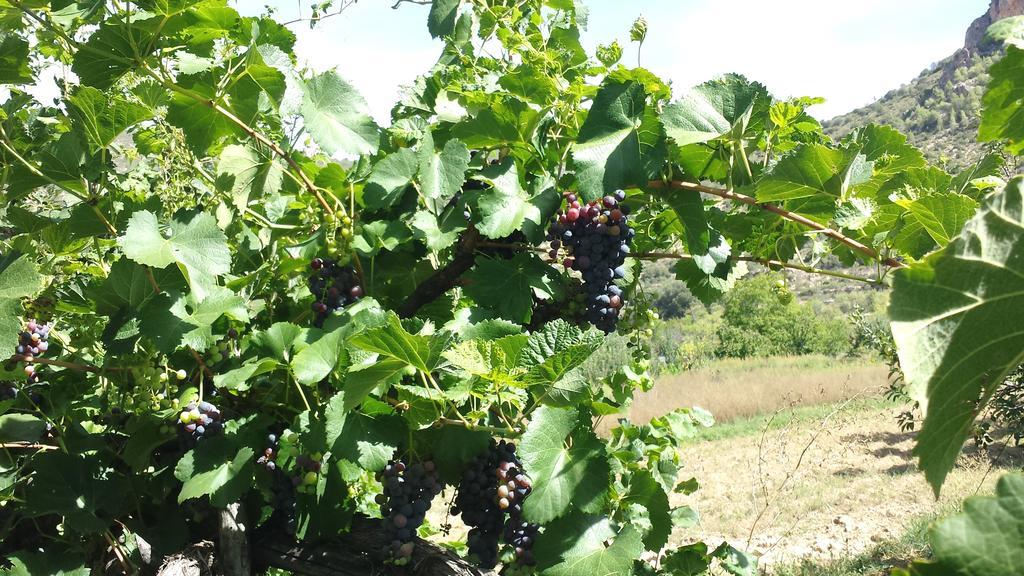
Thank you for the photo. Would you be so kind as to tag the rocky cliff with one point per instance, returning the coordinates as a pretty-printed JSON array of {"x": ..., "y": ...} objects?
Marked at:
[{"x": 998, "y": 10}]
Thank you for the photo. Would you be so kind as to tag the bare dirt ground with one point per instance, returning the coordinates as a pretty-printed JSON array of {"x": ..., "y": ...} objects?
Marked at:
[{"x": 823, "y": 489}]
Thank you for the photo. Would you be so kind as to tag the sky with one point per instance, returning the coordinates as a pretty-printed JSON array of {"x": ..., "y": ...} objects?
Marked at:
[{"x": 849, "y": 52}]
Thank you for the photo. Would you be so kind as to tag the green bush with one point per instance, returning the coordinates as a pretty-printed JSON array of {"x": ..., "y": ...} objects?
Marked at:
[{"x": 762, "y": 318}]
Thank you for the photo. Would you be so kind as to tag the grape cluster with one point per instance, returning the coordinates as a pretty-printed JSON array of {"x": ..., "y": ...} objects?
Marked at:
[
  {"x": 495, "y": 485},
  {"x": 267, "y": 459},
  {"x": 32, "y": 342},
  {"x": 595, "y": 238},
  {"x": 200, "y": 420},
  {"x": 334, "y": 287},
  {"x": 308, "y": 470},
  {"x": 408, "y": 490}
]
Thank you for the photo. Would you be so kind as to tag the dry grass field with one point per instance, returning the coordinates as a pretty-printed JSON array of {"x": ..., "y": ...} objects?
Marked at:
[{"x": 733, "y": 389}]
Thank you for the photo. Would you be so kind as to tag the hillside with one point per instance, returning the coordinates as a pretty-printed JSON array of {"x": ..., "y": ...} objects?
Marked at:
[{"x": 939, "y": 110}]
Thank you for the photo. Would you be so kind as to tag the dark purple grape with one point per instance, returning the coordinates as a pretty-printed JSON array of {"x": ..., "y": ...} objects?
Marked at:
[
  {"x": 408, "y": 491},
  {"x": 333, "y": 286}
]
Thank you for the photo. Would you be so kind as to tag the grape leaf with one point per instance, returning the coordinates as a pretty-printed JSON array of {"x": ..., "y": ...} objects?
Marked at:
[
  {"x": 1002, "y": 116},
  {"x": 889, "y": 154},
  {"x": 14, "y": 60},
  {"x": 245, "y": 175},
  {"x": 277, "y": 341},
  {"x": 563, "y": 383},
  {"x": 21, "y": 428},
  {"x": 607, "y": 152},
  {"x": 381, "y": 235},
  {"x": 441, "y": 20},
  {"x": 369, "y": 441},
  {"x": 177, "y": 320},
  {"x": 238, "y": 379},
  {"x": 110, "y": 52},
  {"x": 590, "y": 557},
  {"x": 712, "y": 110},
  {"x": 707, "y": 246},
  {"x": 811, "y": 170},
  {"x": 392, "y": 341},
  {"x": 18, "y": 279},
  {"x": 337, "y": 116},
  {"x": 204, "y": 127},
  {"x": 709, "y": 287},
  {"x": 985, "y": 539},
  {"x": 224, "y": 483},
  {"x": 502, "y": 207},
  {"x": 317, "y": 360},
  {"x": 193, "y": 242},
  {"x": 438, "y": 233},
  {"x": 567, "y": 478},
  {"x": 102, "y": 118},
  {"x": 942, "y": 216},
  {"x": 364, "y": 378},
  {"x": 649, "y": 494},
  {"x": 509, "y": 286},
  {"x": 555, "y": 337},
  {"x": 77, "y": 487},
  {"x": 389, "y": 179},
  {"x": 441, "y": 174},
  {"x": 957, "y": 319}
]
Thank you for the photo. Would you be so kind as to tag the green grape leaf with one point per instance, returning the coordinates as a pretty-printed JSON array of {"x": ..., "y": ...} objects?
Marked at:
[
  {"x": 888, "y": 152},
  {"x": 317, "y": 360},
  {"x": 441, "y": 174},
  {"x": 712, "y": 110},
  {"x": 101, "y": 118},
  {"x": 381, "y": 235},
  {"x": 649, "y": 494},
  {"x": 19, "y": 279},
  {"x": 608, "y": 153},
  {"x": 337, "y": 116},
  {"x": 985, "y": 539},
  {"x": 193, "y": 242},
  {"x": 60, "y": 562},
  {"x": 369, "y": 441},
  {"x": 277, "y": 341},
  {"x": 245, "y": 175},
  {"x": 811, "y": 170},
  {"x": 392, "y": 341},
  {"x": 441, "y": 20},
  {"x": 956, "y": 319},
  {"x": 555, "y": 337},
  {"x": 707, "y": 246},
  {"x": 389, "y": 179},
  {"x": 1002, "y": 116},
  {"x": 504, "y": 205},
  {"x": 224, "y": 483},
  {"x": 128, "y": 287},
  {"x": 438, "y": 233},
  {"x": 14, "y": 60},
  {"x": 174, "y": 320},
  {"x": 204, "y": 127},
  {"x": 77, "y": 487},
  {"x": 708, "y": 288},
  {"x": 238, "y": 379},
  {"x": 590, "y": 557},
  {"x": 566, "y": 478},
  {"x": 110, "y": 52},
  {"x": 942, "y": 216},
  {"x": 21, "y": 428},
  {"x": 364, "y": 378},
  {"x": 509, "y": 286},
  {"x": 564, "y": 384}
]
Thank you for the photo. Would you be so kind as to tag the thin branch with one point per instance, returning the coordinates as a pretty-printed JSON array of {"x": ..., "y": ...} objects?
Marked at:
[
  {"x": 791, "y": 216},
  {"x": 506, "y": 432},
  {"x": 61, "y": 364},
  {"x": 27, "y": 446},
  {"x": 443, "y": 279},
  {"x": 202, "y": 365}
]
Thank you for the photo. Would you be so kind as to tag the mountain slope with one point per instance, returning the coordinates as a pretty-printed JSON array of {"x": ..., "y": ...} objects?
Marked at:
[{"x": 940, "y": 109}]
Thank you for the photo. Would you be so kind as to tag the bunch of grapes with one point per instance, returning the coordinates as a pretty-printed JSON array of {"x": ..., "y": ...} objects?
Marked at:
[
  {"x": 221, "y": 350},
  {"x": 595, "y": 239},
  {"x": 32, "y": 342},
  {"x": 495, "y": 485},
  {"x": 200, "y": 420},
  {"x": 408, "y": 490},
  {"x": 334, "y": 287},
  {"x": 267, "y": 459}
]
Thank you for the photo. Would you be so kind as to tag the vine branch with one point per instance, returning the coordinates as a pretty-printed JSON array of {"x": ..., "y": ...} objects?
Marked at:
[
  {"x": 791, "y": 216},
  {"x": 444, "y": 278}
]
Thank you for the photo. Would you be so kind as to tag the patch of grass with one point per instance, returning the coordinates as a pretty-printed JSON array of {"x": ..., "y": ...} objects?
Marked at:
[
  {"x": 753, "y": 425},
  {"x": 878, "y": 560},
  {"x": 734, "y": 389}
]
